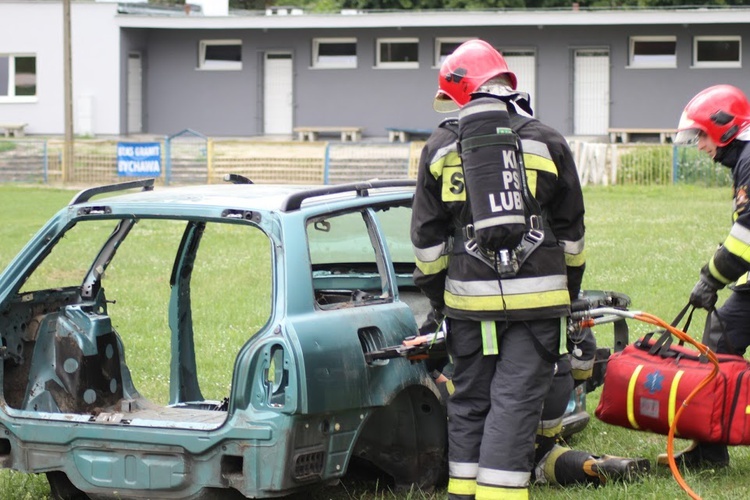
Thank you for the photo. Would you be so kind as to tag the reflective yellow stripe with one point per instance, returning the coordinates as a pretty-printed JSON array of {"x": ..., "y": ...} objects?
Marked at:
[
  {"x": 489, "y": 338},
  {"x": 550, "y": 428},
  {"x": 512, "y": 302},
  {"x": 715, "y": 272},
  {"x": 582, "y": 374},
  {"x": 673, "y": 397},
  {"x": 433, "y": 267},
  {"x": 548, "y": 464},
  {"x": 535, "y": 162},
  {"x": 450, "y": 387},
  {"x": 631, "y": 397},
  {"x": 453, "y": 188},
  {"x": 494, "y": 493},
  {"x": 575, "y": 260},
  {"x": 737, "y": 247},
  {"x": 447, "y": 155},
  {"x": 743, "y": 279},
  {"x": 458, "y": 486}
]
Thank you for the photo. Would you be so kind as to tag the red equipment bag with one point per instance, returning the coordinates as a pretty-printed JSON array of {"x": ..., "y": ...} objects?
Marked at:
[{"x": 646, "y": 383}]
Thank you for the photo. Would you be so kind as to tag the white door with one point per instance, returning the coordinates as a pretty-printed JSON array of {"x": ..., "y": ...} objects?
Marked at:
[
  {"x": 135, "y": 89},
  {"x": 277, "y": 93},
  {"x": 523, "y": 64},
  {"x": 591, "y": 92}
]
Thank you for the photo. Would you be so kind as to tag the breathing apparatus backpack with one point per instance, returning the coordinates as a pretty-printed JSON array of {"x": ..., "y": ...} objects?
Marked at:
[{"x": 506, "y": 222}]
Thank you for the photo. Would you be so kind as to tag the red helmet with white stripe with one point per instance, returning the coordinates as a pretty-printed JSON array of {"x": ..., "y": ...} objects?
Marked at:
[{"x": 721, "y": 112}]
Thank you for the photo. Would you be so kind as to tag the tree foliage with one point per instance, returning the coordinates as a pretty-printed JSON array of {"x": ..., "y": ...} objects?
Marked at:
[{"x": 336, "y": 5}]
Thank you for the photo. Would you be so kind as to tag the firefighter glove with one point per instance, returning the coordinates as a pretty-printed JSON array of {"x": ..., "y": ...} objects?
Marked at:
[{"x": 704, "y": 292}]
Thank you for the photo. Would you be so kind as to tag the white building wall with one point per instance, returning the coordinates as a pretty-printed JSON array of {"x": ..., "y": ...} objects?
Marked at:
[{"x": 36, "y": 27}]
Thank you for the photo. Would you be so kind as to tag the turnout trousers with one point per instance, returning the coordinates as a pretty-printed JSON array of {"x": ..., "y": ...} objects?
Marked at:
[
  {"x": 495, "y": 410},
  {"x": 733, "y": 320}
]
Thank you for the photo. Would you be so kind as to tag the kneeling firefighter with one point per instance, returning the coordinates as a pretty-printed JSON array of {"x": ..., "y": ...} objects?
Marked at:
[
  {"x": 498, "y": 230},
  {"x": 554, "y": 462}
]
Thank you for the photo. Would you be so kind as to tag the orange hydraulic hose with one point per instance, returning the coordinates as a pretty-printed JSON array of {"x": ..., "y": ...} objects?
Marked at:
[{"x": 650, "y": 318}]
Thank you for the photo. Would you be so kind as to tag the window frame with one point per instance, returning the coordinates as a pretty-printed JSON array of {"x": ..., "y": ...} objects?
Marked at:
[
  {"x": 439, "y": 41},
  {"x": 12, "y": 84},
  {"x": 344, "y": 64},
  {"x": 379, "y": 64},
  {"x": 717, "y": 64},
  {"x": 632, "y": 63},
  {"x": 218, "y": 65}
]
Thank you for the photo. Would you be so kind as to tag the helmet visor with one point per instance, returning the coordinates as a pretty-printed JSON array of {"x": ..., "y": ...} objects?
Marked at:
[
  {"x": 688, "y": 136},
  {"x": 444, "y": 104},
  {"x": 688, "y": 132}
]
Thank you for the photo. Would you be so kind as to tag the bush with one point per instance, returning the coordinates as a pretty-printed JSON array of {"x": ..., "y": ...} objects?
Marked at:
[{"x": 645, "y": 166}]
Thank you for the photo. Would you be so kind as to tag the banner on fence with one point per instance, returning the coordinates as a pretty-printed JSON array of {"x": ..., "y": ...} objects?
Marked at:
[{"x": 135, "y": 159}]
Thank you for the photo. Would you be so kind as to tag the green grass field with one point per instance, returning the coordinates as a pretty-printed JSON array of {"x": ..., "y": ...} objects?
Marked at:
[{"x": 646, "y": 242}]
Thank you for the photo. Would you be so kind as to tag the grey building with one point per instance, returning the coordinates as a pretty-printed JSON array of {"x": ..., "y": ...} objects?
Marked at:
[{"x": 142, "y": 70}]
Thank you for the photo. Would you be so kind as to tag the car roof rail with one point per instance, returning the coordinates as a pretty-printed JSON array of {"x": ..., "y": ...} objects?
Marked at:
[
  {"x": 87, "y": 194},
  {"x": 294, "y": 200}
]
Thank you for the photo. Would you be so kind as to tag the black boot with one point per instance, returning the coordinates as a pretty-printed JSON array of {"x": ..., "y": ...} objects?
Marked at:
[
  {"x": 699, "y": 456},
  {"x": 563, "y": 466},
  {"x": 611, "y": 468}
]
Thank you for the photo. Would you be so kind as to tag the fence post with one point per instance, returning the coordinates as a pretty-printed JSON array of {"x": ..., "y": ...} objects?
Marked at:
[
  {"x": 168, "y": 162},
  {"x": 45, "y": 162},
  {"x": 675, "y": 164},
  {"x": 209, "y": 160},
  {"x": 326, "y": 163}
]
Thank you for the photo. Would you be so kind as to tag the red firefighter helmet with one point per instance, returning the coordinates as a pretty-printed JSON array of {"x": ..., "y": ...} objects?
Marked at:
[
  {"x": 721, "y": 112},
  {"x": 473, "y": 63}
]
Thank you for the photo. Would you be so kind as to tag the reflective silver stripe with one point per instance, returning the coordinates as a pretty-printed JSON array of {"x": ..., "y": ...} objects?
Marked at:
[
  {"x": 463, "y": 469},
  {"x": 503, "y": 477},
  {"x": 443, "y": 152},
  {"x": 572, "y": 247},
  {"x": 494, "y": 105},
  {"x": 741, "y": 233},
  {"x": 500, "y": 219},
  {"x": 581, "y": 364},
  {"x": 550, "y": 424},
  {"x": 510, "y": 287},
  {"x": 536, "y": 148},
  {"x": 429, "y": 254}
]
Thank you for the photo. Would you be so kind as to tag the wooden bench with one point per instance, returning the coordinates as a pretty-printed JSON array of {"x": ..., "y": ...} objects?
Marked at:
[
  {"x": 625, "y": 133},
  {"x": 403, "y": 134},
  {"x": 13, "y": 128},
  {"x": 312, "y": 133}
]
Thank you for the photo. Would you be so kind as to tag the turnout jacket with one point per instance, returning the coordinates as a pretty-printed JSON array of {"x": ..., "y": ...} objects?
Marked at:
[
  {"x": 731, "y": 261},
  {"x": 461, "y": 285}
]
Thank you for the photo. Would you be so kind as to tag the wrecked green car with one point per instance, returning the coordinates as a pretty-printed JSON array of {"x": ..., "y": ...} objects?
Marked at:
[{"x": 200, "y": 341}]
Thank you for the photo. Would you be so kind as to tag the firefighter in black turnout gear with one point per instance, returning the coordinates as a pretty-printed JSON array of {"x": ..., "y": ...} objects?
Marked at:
[
  {"x": 498, "y": 234},
  {"x": 717, "y": 120}
]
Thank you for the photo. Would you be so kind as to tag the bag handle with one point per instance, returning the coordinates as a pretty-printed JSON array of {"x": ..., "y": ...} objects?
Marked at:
[{"x": 663, "y": 343}]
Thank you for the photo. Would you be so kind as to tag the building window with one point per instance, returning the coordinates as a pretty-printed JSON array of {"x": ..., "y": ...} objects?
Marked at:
[
  {"x": 17, "y": 78},
  {"x": 334, "y": 53},
  {"x": 717, "y": 51},
  {"x": 445, "y": 47},
  {"x": 398, "y": 53},
  {"x": 653, "y": 52},
  {"x": 220, "y": 55},
  {"x": 522, "y": 62}
]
